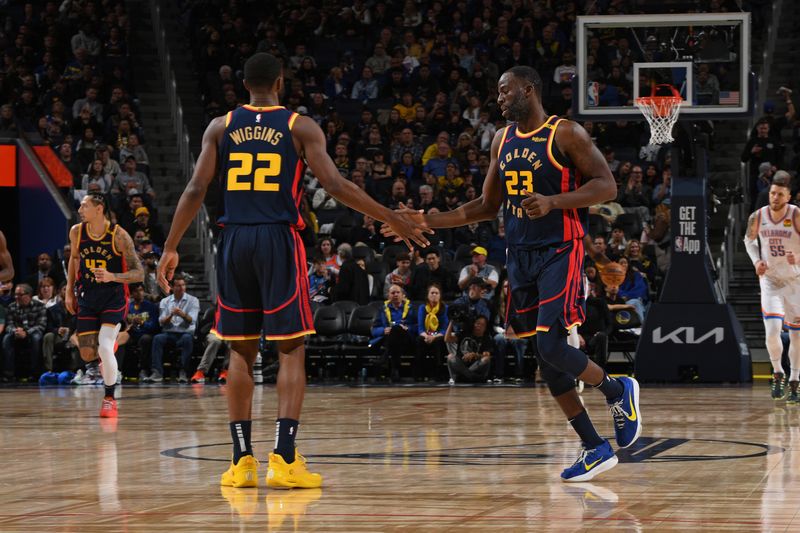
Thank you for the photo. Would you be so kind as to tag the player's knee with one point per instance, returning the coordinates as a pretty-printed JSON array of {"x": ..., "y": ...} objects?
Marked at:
[
  {"x": 557, "y": 382},
  {"x": 552, "y": 345}
]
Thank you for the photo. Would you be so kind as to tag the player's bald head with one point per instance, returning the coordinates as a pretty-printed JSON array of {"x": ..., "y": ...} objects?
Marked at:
[{"x": 262, "y": 70}]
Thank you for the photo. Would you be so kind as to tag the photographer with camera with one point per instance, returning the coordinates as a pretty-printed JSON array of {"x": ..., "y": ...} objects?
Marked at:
[
  {"x": 470, "y": 360},
  {"x": 396, "y": 328}
]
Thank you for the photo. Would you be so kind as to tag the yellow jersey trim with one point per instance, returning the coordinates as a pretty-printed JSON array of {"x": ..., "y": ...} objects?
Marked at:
[
  {"x": 228, "y": 118},
  {"x": 534, "y": 132},
  {"x": 100, "y": 238},
  {"x": 234, "y": 337},
  {"x": 292, "y": 119},
  {"x": 266, "y": 108},
  {"x": 113, "y": 241},
  {"x": 291, "y": 335},
  {"x": 550, "y": 145},
  {"x": 502, "y": 142}
]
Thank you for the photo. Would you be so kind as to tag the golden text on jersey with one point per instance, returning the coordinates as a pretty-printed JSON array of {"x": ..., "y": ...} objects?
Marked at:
[{"x": 532, "y": 162}]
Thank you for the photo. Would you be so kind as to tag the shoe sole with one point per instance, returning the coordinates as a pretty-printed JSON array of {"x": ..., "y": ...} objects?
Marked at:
[
  {"x": 605, "y": 466},
  {"x": 271, "y": 483},
  {"x": 638, "y": 414}
]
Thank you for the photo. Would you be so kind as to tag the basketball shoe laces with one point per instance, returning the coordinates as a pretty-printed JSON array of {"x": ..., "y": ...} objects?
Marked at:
[
  {"x": 618, "y": 413},
  {"x": 584, "y": 453}
]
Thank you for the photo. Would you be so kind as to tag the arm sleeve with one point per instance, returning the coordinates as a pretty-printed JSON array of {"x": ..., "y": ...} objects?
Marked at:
[{"x": 751, "y": 246}]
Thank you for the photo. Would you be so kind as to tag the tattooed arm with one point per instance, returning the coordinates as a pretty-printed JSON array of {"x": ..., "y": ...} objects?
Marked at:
[{"x": 135, "y": 272}]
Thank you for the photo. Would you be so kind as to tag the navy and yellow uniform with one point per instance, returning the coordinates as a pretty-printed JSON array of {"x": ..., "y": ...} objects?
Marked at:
[
  {"x": 545, "y": 255},
  {"x": 100, "y": 303},
  {"x": 261, "y": 260}
]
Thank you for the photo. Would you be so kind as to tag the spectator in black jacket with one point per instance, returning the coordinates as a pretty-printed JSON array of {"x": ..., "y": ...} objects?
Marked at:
[
  {"x": 353, "y": 284},
  {"x": 431, "y": 272}
]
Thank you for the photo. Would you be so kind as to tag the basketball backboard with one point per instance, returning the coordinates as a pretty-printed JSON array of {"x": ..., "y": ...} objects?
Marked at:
[{"x": 705, "y": 56}]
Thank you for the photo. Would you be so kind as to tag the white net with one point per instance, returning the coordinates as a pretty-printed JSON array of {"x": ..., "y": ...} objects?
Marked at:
[{"x": 661, "y": 113}]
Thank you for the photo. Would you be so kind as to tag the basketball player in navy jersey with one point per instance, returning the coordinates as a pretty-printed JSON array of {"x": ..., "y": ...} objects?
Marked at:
[
  {"x": 102, "y": 262},
  {"x": 544, "y": 173},
  {"x": 258, "y": 153},
  {"x": 6, "y": 264}
]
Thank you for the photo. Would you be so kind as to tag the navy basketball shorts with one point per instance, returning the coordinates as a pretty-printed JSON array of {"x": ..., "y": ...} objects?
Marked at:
[
  {"x": 262, "y": 283},
  {"x": 101, "y": 307},
  {"x": 546, "y": 286}
]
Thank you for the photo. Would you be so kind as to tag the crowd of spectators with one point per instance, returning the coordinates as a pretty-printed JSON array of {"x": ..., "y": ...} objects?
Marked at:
[
  {"x": 405, "y": 93},
  {"x": 406, "y": 96},
  {"x": 66, "y": 82}
]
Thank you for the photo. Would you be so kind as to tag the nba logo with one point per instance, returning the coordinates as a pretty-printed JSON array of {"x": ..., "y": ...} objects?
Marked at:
[
  {"x": 593, "y": 94},
  {"x": 258, "y": 118}
]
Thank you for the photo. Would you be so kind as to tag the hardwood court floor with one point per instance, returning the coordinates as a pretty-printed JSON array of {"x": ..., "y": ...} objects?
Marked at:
[{"x": 398, "y": 459}]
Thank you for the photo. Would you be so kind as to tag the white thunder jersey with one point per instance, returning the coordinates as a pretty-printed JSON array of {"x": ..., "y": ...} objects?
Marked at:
[
  {"x": 780, "y": 285},
  {"x": 777, "y": 238}
]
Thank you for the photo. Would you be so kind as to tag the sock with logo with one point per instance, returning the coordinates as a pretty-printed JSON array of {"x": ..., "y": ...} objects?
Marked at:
[
  {"x": 285, "y": 433},
  {"x": 612, "y": 388},
  {"x": 585, "y": 430},
  {"x": 240, "y": 433}
]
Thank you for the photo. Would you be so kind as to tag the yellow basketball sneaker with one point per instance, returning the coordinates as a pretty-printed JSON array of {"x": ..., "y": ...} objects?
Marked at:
[
  {"x": 242, "y": 474},
  {"x": 294, "y": 475}
]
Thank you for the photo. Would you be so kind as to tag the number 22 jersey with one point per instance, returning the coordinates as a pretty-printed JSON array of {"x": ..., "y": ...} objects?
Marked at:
[{"x": 260, "y": 171}]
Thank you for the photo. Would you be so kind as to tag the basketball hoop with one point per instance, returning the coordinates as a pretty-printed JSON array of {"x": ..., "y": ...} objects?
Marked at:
[{"x": 661, "y": 113}]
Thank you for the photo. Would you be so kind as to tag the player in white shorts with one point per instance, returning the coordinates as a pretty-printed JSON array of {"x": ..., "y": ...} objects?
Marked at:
[{"x": 773, "y": 244}]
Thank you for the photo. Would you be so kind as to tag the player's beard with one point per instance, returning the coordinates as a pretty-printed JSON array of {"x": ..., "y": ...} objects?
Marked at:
[{"x": 518, "y": 110}]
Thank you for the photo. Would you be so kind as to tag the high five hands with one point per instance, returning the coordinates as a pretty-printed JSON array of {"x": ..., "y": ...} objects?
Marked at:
[{"x": 407, "y": 225}]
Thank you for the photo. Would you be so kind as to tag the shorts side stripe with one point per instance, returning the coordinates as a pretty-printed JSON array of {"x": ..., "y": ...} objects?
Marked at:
[
  {"x": 234, "y": 337},
  {"x": 291, "y": 335},
  {"x": 233, "y": 309},
  {"x": 81, "y": 334}
]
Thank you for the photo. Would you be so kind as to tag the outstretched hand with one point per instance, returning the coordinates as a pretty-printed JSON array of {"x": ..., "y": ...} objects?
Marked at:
[
  {"x": 407, "y": 225},
  {"x": 536, "y": 205},
  {"x": 166, "y": 269}
]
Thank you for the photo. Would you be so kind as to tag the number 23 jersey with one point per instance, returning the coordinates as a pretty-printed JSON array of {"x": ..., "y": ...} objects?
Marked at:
[
  {"x": 260, "y": 171},
  {"x": 532, "y": 162},
  {"x": 777, "y": 238}
]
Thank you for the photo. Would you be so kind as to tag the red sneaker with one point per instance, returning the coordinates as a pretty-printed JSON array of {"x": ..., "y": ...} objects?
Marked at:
[
  {"x": 198, "y": 377},
  {"x": 109, "y": 408},
  {"x": 223, "y": 376}
]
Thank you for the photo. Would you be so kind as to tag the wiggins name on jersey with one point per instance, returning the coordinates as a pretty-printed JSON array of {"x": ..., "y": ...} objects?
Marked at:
[
  {"x": 261, "y": 173},
  {"x": 532, "y": 162}
]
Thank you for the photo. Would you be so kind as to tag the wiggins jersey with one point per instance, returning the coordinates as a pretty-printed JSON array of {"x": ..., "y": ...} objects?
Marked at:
[
  {"x": 777, "y": 238},
  {"x": 261, "y": 174},
  {"x": 99, "y": 253},
  {"x": 532, "y": 162}
]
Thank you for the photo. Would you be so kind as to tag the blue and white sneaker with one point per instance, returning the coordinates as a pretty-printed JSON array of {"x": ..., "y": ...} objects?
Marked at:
[
  {"x": 590, "y": 463},
  {"x": 625, "y": 410}
]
